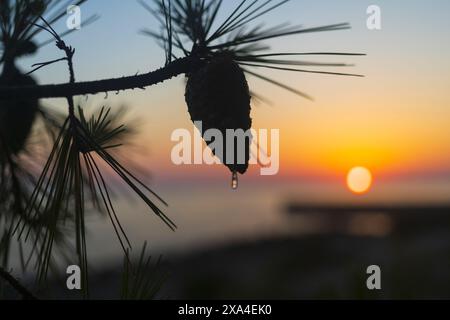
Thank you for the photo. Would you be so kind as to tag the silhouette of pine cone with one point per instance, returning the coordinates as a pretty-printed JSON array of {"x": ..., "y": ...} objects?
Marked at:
[
  {"x": 16, "y": 117},
  {"x": 217, "y": 94}
]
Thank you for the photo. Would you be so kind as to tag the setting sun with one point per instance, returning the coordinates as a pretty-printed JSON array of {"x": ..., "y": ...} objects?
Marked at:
[{"x": 359, "y": 180}]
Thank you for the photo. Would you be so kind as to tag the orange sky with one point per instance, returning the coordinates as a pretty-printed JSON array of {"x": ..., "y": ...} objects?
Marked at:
[{"x": 395, "y": 121}]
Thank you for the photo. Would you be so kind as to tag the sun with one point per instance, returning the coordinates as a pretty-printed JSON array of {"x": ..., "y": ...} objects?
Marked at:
[{"x": 359, "y": 180}]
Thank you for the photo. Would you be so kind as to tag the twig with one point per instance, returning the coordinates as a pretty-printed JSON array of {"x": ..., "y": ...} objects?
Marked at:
[
  {"x": 173, "y": 69},
  {"x": 26, "y": 295}
]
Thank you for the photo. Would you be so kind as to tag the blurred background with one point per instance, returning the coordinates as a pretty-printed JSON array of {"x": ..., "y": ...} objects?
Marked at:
[{"x": 281, "y": 236}]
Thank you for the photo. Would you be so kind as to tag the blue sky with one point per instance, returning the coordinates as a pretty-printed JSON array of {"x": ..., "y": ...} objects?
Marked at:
[{"x": 103, "y": 42}]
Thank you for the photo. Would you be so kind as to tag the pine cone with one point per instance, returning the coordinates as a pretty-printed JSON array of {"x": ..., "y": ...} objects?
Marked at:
[
  {"x": 16, "y": 117},
  {"x": 217, "y": 94}
]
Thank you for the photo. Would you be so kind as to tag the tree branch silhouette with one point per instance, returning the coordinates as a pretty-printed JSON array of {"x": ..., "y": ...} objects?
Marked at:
[{"x": 173, "y": 69}]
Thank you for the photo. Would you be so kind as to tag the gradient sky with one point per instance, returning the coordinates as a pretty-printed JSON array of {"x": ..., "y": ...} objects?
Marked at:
[{"x": 395, "y": 121}]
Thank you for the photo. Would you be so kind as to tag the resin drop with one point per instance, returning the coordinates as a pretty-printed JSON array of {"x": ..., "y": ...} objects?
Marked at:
[{"x": 234, "y": 181}]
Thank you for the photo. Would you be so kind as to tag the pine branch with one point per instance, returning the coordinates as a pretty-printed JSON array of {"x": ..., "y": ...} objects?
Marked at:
[
  {"x": 173, "y": 69},
  {"x": 26, "y": 295}
]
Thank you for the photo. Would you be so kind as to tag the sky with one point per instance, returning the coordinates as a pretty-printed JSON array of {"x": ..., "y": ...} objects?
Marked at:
[{"x": 393, "y": 121}]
